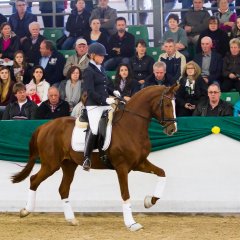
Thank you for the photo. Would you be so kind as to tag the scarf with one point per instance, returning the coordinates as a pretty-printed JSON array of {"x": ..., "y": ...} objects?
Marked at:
[
  {"x": 73, "y": 94},
  {"x": 190, "y": 85}
]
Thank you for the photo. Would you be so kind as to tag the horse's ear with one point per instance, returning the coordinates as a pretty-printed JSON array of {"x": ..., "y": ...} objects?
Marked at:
[
  {"x": 84, "y": 98},
  {"x": 173, "y": 89}
]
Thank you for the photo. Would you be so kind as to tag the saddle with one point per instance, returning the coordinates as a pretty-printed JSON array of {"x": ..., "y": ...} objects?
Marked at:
[{"x": 103, "y": 137}]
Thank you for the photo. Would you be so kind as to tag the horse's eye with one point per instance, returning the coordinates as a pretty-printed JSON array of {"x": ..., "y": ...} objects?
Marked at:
[{"x": 168, "y": 105}]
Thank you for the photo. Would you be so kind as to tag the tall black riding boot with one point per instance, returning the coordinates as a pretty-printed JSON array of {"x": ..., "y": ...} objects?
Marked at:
[{"x": 89, "y": 145}]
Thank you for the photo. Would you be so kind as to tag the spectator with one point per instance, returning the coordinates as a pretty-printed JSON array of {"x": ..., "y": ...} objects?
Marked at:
[
  {"x": 20, "y": 20},
  {"x": 226, "y": 16},
  {"x": 14, "y": 10},
  {"x": 31, "y": 44},
  {"x": 192, "y": 90},
  {"x": 95, "y": 35},
  {"x": 120, "y": 46},
  {"x": 175, "y": 61},
  {"x": 214, "y": 4},
  {"x": 237, "y": 4},
  {"x": 125, "y": 83},
  {"x": 46, "y": 7},
  {"x": 77, "y": 24},
  {"x": 107, "y": 16},
  {"x": 177, "y": 34},
  {"x": 6, "y": 85},
  {"x": 231, "y": 69},
  {"x": 22, "y": 108},
  {"x": 159, "y": 76},
  {"x": 9, "y": 42},
  {"x": 52, "y": 61},
  {"x": 89, "y": 5},
  {"x": 38, "y": 79},
  {"x": 31, "y": 91},
  {"x": 209, "y": 61},
  {"x": 141, "y": 64},
  {"x": 237, "y": 109},
  {"x": 220, "y": 39},
  {"x": 20, "y": 70},
  {"x": 54, "y": 107},
  {"x": 185, "y": 5},
  {"x": 2, "y": 19},
  {"x": 214, "y": 106},
  {"x": 236, "y": 29},
  {"x": 80, "y": 59},
  {"x": 70, "y": 90},
  {"x": 195, "y": 21}
]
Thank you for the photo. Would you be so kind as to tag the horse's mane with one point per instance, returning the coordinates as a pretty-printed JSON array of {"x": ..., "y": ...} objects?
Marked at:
[{"x": 147, "y": 91}]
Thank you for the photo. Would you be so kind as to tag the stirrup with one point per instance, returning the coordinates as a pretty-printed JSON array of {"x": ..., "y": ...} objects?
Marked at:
[{"x": 86, "y": 164}]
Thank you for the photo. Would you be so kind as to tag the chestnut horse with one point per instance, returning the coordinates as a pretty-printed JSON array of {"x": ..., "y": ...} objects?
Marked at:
[{"x": 129, "y": 148}]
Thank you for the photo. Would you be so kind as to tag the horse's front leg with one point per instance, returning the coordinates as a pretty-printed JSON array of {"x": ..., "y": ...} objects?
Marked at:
[
  {"x": 129, "y": 221},
  {"x": 68, "y": 169},
  {"x": 148, "y": 167}
]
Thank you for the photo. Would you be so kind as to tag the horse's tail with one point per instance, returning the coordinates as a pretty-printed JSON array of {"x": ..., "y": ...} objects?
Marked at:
[{"x": 33, "y": 154}]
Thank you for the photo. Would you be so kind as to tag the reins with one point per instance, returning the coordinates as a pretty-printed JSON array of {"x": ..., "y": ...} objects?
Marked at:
[{"x": 161, "y": 106}]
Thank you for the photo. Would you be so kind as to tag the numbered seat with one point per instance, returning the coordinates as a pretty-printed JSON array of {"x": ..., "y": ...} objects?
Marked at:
[
  {"x": 111, "y": 75},
  {"x": 140, "y": 32},
  {"x": 231, "y": 97},
  {"x": 154, "y": 52},
  {"x": 67, "y": 53},
  {"x": 52, "y": 34}
]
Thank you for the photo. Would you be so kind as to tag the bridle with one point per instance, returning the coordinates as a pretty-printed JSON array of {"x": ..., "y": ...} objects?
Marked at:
[{"x": 161, "y": 106}]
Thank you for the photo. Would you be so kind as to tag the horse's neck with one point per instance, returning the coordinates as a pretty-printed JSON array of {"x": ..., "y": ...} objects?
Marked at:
[{"x": 134, "y": 125}]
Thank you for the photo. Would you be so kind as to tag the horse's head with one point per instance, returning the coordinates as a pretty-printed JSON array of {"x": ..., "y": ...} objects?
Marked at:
[{"x": 164, "y": 109}]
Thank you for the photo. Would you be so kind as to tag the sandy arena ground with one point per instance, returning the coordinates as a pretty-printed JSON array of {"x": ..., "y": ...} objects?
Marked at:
[{"x": 46, "y": 226}]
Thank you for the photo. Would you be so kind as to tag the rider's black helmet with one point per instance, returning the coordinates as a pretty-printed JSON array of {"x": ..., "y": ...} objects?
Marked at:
[{"x": 98, "y": 49}]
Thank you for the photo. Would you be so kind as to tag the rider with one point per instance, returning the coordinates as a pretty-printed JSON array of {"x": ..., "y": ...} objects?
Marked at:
[{"x": 97, "y": 86}]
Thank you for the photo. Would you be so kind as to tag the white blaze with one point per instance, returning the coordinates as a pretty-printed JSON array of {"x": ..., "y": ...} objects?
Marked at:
[{"x": 174, "y": 112}]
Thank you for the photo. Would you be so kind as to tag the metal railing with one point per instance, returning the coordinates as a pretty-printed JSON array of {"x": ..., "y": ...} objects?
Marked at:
[{"x": 157, "y": 26}]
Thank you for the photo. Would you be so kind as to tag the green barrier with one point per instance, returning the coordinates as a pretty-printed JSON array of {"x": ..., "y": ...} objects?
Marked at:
[{"x": 15, "y": 135}]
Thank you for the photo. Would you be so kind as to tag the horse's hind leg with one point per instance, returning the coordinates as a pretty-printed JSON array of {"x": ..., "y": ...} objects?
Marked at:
[
  {"x": 35, "y": 180},
  {"x": 129, "y": 221},
  {"x": 148, "y": 167},
  {"x": 68, "y": 169}
]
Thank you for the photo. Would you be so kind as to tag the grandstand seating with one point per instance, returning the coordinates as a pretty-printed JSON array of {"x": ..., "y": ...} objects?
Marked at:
[
  {"x": 231, "y": 97},
  {"x": 154, "y": 52},
  {"x": 52, "y": 34},
  {"x": 111, "y": 75},
  {"x": 67, "y": 53},
  {"x": 140, "y": 32}
]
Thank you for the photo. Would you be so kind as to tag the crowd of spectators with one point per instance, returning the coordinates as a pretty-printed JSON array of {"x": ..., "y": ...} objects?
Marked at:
[{"x": 36, "y": 81}]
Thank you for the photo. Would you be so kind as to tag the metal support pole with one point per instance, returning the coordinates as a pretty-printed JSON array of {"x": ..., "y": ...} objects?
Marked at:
[{"x": 157, "y": 21}]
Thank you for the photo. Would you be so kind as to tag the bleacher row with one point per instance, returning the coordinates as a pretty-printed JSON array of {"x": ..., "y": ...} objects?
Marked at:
[{"x": 140, "y": 32}]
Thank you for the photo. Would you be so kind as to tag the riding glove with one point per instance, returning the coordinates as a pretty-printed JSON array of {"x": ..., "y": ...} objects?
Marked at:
[
  {"x": 117, "y": 94},
  {"x": 110, "y": 101}
]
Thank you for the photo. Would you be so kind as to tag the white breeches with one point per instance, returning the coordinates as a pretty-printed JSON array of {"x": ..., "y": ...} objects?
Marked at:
[{"x": 94, "y": 116}]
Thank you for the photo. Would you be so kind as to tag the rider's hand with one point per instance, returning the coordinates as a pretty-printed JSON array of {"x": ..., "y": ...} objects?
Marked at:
[
  {"x": 110, "y": 101},
  {"x": 117, "y": 94}
]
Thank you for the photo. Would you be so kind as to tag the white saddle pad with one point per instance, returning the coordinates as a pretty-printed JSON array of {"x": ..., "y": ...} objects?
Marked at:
[{"x": 78, "y": 139}]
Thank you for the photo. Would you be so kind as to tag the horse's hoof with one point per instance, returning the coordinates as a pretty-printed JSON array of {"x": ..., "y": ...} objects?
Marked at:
[
  {"x": 148, "y": 202},
  {"x": 24, "y": 212},
  {"x": 73, "y": 222},
  {"x": 135, "y": 227}
]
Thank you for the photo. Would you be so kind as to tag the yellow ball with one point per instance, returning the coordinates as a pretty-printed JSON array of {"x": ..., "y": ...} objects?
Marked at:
[{"x": 216, "y": 130}]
